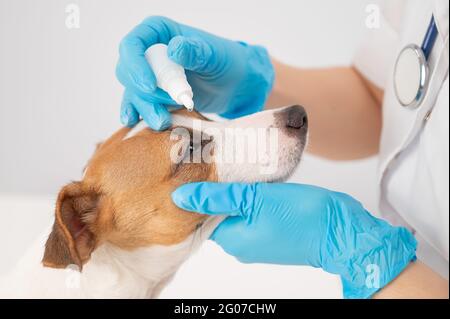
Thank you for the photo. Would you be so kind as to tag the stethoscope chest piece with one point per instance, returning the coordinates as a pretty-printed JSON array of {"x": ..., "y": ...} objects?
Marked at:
[
  {"x": 411, "y": 76},
  {"x": 411, "y": 72}
]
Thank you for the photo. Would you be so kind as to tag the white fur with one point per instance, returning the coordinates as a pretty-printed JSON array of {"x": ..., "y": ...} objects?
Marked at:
[{"x": 279, "y": 163}]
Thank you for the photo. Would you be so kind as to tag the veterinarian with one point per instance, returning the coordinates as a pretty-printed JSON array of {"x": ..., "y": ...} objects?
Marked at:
[{"x": 392, "y": 102}]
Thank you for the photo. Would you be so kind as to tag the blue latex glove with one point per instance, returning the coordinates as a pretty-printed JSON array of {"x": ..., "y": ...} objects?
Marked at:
[
  {"x": 227, "y": 77},
  {"x": 297, "y": 224}
]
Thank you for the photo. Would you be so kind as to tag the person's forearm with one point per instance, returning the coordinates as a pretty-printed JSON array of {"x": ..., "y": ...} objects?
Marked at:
[
  {"x": 343, "y": 108},
  {"x": 416, "y": 281}
]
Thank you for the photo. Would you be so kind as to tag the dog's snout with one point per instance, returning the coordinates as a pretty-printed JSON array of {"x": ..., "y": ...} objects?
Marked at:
[{"x": 296, "y": 117}]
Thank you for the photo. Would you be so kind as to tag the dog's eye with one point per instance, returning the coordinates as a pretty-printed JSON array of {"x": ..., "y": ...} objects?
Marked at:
[
  {"x": 189, "y": 150},
  {"x": 193, "y": 149},
  {"x": 185, "y": 152}
]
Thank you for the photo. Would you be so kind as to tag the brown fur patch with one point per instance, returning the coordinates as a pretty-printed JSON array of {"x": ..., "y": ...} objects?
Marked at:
[
  {"x": 71, "y": 241},
  {"x": 124, "y": 199}
]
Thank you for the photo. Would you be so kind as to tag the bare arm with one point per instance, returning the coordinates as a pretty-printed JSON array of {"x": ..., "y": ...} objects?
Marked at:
[
  {"x": 344, "y": 109},
  {"x": 416, "y": 281}
]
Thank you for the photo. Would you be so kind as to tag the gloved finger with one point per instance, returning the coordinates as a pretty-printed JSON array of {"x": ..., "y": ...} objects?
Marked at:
[
  {"x": 193, "y": 54},
  {"x": 230, "y": 235},
  {"x": 234, "y": 199},
  {"x": 133, "y": 46},
  {"x": 158, "y": 94},
  {"x": 129, "y": 116},
  {"x": 135, "y": 72},
  {"x": 154, "y": 114}
]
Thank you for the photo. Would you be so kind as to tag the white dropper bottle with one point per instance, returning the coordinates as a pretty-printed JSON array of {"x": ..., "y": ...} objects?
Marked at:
[{"x": 170, "y": 76}]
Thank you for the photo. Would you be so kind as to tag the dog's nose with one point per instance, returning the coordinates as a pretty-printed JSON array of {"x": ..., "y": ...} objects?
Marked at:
[{"x": 296, "y": 117}]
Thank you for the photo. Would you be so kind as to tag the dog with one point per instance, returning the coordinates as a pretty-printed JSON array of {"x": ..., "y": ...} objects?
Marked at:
[{"x": 117, "y": 233}]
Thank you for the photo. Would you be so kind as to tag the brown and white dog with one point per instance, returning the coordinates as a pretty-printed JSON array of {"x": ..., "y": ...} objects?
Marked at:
[{"x": 118, "y": 225}]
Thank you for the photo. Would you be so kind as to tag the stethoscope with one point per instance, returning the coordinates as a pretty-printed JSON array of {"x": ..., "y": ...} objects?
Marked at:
[{"x": 411, "y": 72}]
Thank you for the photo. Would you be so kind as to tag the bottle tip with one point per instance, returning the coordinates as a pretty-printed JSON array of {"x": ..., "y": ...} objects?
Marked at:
[{"x": 186, "y": 100}]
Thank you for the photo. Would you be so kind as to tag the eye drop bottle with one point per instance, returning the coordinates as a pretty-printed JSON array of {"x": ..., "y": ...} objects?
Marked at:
[{"x": 170, "y": 76}]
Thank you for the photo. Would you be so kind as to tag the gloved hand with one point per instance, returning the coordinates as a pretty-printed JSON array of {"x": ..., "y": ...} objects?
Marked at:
[
  {"x": 227, "y": 77},
  {"x": 297, "y": 224}
]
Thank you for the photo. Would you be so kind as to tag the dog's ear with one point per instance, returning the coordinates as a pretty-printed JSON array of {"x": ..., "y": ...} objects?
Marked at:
[{"x": 72, "y": 240}]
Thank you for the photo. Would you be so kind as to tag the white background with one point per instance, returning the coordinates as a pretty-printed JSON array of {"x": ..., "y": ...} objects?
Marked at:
[{"x": 59, "y": 96}]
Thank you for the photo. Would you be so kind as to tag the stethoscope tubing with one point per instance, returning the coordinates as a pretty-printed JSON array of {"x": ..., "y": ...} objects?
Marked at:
[{"x": 430, "y": 38}]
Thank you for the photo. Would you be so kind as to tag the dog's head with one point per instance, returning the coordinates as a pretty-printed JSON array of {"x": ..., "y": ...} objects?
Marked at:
[{"x": 124, "y": 196}]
